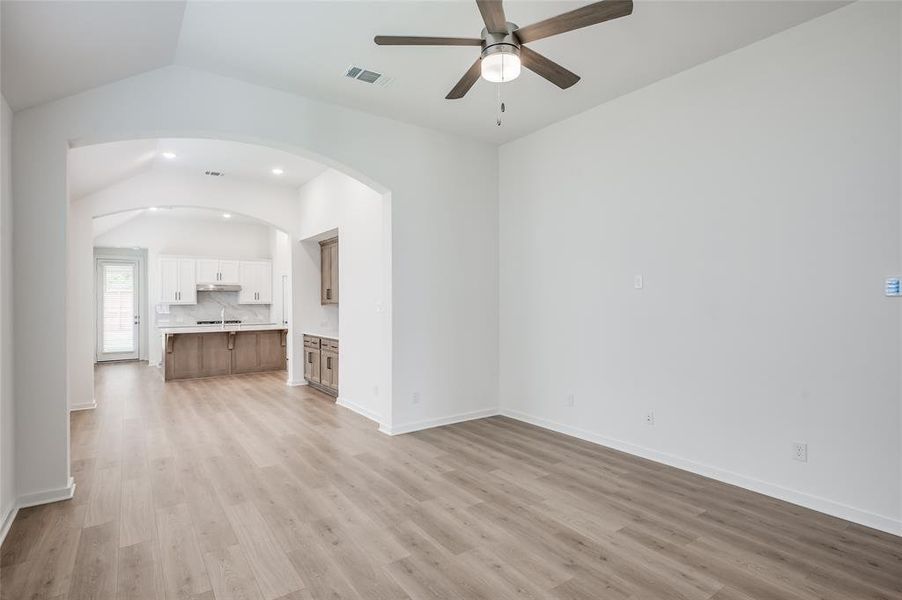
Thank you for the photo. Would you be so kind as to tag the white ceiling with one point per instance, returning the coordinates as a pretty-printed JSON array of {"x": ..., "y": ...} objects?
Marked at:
[
  {"x": 104, "y": 224},
  {"x": 95, "y": 167},
  {"x": 54, "y": 49},
  {"x": 305, "y": 47}
]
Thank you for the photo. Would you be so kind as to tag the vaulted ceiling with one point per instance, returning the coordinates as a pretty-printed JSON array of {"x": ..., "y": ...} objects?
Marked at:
[
  {"x": 54, "y": 49},
  {"x": 94, "y": 167}
]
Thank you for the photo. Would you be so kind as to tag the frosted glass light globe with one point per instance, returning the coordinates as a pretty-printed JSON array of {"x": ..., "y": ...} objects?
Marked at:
[{"x": 499, "y": 67}]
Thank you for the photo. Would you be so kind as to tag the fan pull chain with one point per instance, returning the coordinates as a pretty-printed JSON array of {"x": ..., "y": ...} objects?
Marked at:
[{"x": 500, "y": 106}]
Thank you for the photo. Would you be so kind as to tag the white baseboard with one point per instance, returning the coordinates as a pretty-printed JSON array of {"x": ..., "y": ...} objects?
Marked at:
[
  {"x": 823, "y": 505},
  {"x": 35, "y": 499},
  {"x": 429, "y": 423},
  {"x": 48, "y": 496},
  {"x": 293, "y": 383},
  {"x": 8, "y": 522},
  {"x": 88, "y": 406},
  {"x": 353, "y": 406}
]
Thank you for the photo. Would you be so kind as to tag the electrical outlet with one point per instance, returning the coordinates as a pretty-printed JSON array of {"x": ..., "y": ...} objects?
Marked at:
[
  {"x": 415, "y": 398},
  {"x": 571, "y": 400},
  {"x": 800, "y": 451},
  {"x": 638, "y": 283},
  {"x": 650, "y": 417}
]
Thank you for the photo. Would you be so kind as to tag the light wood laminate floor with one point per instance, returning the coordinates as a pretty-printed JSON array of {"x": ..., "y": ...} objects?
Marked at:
[{"x": 244, "y": 488}]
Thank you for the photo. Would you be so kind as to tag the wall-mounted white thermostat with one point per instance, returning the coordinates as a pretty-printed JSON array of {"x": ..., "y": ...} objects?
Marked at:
[{"x": 893, "y": 286}]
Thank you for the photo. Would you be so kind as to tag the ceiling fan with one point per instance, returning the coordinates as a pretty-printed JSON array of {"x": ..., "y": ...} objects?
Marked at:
[{"x": 502, "y": 43}]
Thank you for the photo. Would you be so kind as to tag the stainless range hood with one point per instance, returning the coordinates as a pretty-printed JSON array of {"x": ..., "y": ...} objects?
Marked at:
[{"x": 218, "y": 287}]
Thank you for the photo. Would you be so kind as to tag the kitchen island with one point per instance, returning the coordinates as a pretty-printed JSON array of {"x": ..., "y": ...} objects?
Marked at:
[{"x": 192, "y": 352}]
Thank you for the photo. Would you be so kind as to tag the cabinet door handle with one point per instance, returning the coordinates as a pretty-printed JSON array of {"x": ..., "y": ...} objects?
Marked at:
[
  {"x": 328, "y": 362},
  {"x": 328, "y": 293}
]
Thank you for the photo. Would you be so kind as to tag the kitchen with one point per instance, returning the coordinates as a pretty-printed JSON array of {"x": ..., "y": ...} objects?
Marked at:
[
  {"x": 246, "y": 336},
  {"x": 211, "y": 315}
]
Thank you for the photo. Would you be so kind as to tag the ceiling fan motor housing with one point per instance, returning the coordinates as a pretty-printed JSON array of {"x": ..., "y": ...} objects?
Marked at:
[{"x": 500, "y": 43}]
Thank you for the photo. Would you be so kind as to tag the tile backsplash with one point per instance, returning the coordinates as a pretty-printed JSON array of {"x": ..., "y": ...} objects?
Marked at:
[{"x": 208, "y": 308}]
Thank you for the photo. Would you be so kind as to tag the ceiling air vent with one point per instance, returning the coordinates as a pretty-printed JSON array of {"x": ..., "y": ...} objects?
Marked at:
[
  {"x": 367, "y": 76},
  {"x": 214, "y": 173}
]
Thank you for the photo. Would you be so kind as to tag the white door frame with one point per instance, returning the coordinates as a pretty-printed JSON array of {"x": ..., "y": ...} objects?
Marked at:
[{"x": 99, "y": 262}]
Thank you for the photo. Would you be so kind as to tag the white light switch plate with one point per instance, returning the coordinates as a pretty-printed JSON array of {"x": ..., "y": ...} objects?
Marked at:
[{"x": 637, "y": 282}]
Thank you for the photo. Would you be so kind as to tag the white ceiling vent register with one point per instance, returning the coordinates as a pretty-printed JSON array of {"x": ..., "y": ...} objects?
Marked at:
[
  {"x": 214, "y": 173},
  {"x": 367, "y": 76}
]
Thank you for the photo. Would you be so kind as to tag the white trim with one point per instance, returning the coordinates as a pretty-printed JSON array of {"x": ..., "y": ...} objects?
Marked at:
[
  {"x": 8, "y": 522},
  {"x": 88, "y": 406},
  {"x": 429, "y": 423},
  {"x": 292, "y": 383},
  {"x": 48, "y": 496},
  {"x": 364, "y": 412},
  {"x": 836, "y": 509},
  {"x": 35, "y": 499}
]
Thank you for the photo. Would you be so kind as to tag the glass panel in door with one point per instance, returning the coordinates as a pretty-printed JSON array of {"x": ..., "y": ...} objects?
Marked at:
[{"x": 118, "y": 318}]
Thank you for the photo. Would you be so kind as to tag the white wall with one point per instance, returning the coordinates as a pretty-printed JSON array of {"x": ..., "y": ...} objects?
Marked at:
[
  {"x": 758, "y": 195},
  {"x": 271, "y": 204},
  {"x": 280, "y": 250},
  {"x": 7, "y": 403},
  {"x": 163, "y": 234},
  {"x": 333, "y": 201},
  {"x": 443, "y": 191}
]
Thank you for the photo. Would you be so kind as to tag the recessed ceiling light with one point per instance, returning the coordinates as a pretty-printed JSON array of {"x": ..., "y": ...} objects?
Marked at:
[
  {"x": 277, "y": 171},
  {"x": 154, "y": 208},
  {"x": 226, "y": 216},
  {"x": 169, "y": 155}
]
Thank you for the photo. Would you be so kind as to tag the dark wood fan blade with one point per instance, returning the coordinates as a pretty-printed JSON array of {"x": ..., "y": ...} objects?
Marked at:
[
  {"x": 548, "y": 69},
  {"x": 592, "y": 14},
  {"x": 410, "y": 40},
  {"x": 466, "y": 82},
  {"x": 493, "y": 15}
]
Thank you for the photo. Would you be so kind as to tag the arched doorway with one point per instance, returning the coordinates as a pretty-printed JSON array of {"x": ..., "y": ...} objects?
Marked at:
[{"x": 276, "y": 211}]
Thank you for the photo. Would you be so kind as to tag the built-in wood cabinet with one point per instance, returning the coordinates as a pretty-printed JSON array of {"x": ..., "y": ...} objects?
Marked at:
[
  {"x": 329, "y": 271},
  {"x": 255, "y": 278},
  {"x": 311, "y": 359},
  {"x": 214, "y": 271},
  {"x": 321, "y": 363},
  {"x": 179, "y": 280}
]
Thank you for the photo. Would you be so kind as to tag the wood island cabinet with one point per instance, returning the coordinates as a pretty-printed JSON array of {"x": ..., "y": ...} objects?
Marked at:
[{"x": 214, "y": 353}]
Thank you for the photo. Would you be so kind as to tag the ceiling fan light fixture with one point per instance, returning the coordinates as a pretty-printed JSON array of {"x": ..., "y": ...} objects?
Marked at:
[{"x": 500, "y": 63}]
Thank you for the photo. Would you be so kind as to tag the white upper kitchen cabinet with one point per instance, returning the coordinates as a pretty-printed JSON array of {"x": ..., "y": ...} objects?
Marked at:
[
  {"x": 213, "y": 271},
  {"x": 256, "y": 282},
  {"x": 228, "y": 272},
  {"x": 207, "y": 271},
  {"x": 178, "y": 280}
]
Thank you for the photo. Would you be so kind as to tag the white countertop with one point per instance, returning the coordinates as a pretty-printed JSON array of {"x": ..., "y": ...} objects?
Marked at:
[
  {"x": 215, "y": 328},
  {"x": 328, "y": 336}
]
